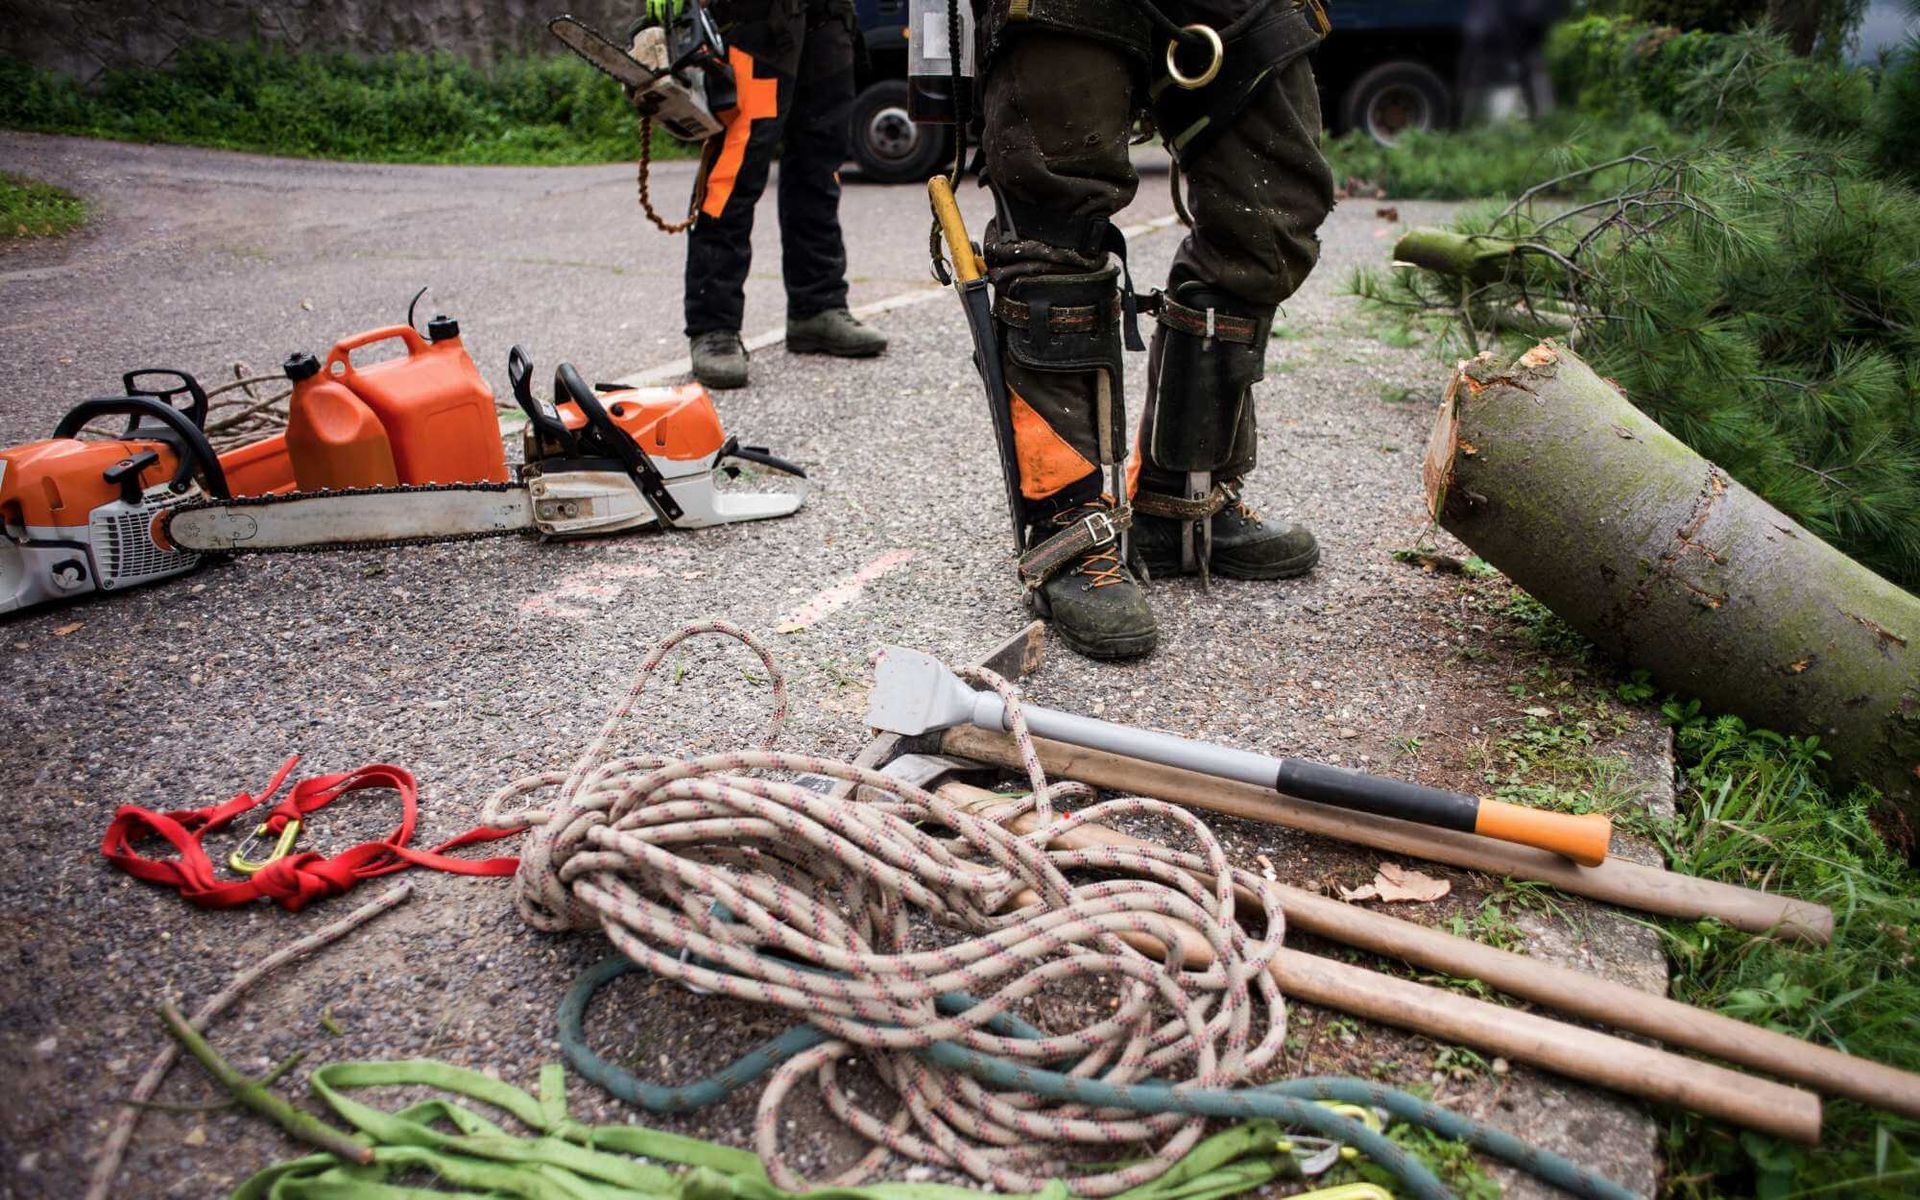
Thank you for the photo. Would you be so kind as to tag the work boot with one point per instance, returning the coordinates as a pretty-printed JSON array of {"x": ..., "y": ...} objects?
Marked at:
[
  {"x": 836, "y": 332},
  {"x": 1245, "y": 546},
  {"x": 720, "y": 359},
  {"x": 1095, "y": 603}
]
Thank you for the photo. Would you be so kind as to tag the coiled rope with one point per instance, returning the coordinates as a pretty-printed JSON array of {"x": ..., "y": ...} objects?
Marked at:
[{"x": 916, "y": 952}]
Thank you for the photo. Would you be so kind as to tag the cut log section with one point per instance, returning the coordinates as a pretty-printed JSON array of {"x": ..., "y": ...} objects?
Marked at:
[{"x": 1669, "y": 565}]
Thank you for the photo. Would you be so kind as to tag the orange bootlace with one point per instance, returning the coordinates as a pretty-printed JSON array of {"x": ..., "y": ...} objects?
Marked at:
[{"x": 1103, "y": 576}]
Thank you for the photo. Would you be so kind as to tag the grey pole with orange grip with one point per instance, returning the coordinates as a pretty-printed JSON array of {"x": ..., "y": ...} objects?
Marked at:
[{"x": 914, "y": 693}]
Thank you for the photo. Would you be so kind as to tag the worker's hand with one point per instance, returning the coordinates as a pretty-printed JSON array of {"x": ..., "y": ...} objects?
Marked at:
[{"x": 662, "y": 12}]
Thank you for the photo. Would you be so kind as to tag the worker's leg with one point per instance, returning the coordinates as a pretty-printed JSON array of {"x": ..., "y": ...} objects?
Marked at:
[
  {"x": 1057, "y": 111},
  {"x": 1258, "y": 189},
  {"x": 812, "y": 251},
  {"x": 735, "y": 167}
]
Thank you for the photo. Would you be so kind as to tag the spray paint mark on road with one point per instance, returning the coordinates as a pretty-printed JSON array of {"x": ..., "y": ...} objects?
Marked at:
[
  {"x": 843, "y": 593},
  {"x": 578, "y": 593}
]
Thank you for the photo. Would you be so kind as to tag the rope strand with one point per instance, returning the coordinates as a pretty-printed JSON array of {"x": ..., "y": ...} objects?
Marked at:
[{"x": 863, "y": 921}]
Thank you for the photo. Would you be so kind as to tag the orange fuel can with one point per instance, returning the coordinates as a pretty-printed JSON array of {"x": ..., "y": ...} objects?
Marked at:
[
  {"x": 437, "y": 410},
  {"x": 334, "y": 439}
]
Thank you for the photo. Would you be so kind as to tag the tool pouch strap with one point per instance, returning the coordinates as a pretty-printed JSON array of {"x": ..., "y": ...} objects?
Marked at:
[
  {"x": 1120, "y": 25},
  {"x": 1191, "y": 119},
  {"x": 1176, "y": 508},
  {"x": 1064, "y": 322},
  {"x": 1050, "y": 557},
  {"x": 1208, "y": 352}
]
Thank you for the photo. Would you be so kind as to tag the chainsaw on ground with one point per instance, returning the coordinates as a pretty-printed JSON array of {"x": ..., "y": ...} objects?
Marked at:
[
  {"x": 75, "y": 514},
  {"x": 79, "y": 515},
  {"x": 599, "y": 460},
  {"x": 677, "y": 75}
]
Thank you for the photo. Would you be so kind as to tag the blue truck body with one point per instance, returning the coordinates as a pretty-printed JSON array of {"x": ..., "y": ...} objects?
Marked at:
[{"x": 1389, "y": 65}]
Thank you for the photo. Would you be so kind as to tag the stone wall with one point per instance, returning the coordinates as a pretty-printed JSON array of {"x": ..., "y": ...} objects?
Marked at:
[{"x": 83, "y": 37}]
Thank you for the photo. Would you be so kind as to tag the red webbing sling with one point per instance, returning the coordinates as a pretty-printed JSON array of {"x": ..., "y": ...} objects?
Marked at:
[{"x": 295, "y": 880}]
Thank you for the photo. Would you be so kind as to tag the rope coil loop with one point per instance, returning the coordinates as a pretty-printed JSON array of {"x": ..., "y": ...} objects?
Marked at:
[{"x": 898, "y": 922}]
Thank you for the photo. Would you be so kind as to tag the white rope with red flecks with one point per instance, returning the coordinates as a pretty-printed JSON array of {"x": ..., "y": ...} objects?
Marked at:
[{"x": 855, "y": 914}]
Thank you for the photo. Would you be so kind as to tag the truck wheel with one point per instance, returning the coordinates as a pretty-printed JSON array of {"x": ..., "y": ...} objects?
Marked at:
[
  {"x": 888, "y": 146},
  {"x": 1396, "y": 98}
]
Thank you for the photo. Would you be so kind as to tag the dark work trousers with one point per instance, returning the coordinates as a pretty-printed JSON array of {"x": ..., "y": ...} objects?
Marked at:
[
  {"x": 1057, "y": 112},
  {"x": 793, "y": 65}
]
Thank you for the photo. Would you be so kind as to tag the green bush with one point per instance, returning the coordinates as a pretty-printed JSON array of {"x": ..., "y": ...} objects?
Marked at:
[
  {"x": 401, "y": 107},
  {"x": 1895, "y": 123},
  {"x": 1611, "y": 66},
  {"x": 1498, "y": 159}
]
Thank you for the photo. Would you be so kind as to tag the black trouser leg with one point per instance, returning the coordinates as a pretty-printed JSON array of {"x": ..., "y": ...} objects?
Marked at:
[
  {"x": 720, "y": 244},
  {"x": 812, "y": 252}
]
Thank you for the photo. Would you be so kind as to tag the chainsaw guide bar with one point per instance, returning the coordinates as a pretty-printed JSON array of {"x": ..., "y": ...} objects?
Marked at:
[{"x": 216, "y": 525}]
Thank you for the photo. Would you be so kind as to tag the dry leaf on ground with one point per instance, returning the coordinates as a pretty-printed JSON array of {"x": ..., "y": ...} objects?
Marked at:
[{"x": 1392, "y": 884}]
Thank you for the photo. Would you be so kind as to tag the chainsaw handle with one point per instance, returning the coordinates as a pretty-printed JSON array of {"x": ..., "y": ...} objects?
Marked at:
[
  {"x": 196, "y": 453},
  {"x": 617, "y": 442},
  {"x": 541, "y": 414},
  {"x": 343, "y": 349},
  {"x": 185, "y": 384}
]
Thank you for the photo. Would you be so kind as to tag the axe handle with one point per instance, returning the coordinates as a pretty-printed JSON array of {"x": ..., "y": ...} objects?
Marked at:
[
  {"x": 946, "y": 210},
  {"x": 1583, "y": 839}
]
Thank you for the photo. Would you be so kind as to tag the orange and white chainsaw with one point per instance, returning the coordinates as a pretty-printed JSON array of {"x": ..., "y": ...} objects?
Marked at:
[
  {"x": 597, "y": 462},
  {"x": 78, "y": 516}
]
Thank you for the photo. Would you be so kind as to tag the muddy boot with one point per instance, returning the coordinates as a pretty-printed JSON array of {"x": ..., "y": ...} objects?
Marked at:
[
  {"x": 1243, "y": 544},
  {"x": 836, "y": 332},
  {"x": 720, "y": 359},
  {"x": 1094, "y": 602}
]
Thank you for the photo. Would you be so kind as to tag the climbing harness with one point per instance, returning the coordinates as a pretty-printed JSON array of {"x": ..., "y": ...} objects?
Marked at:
[
  {"x": 292, "y": 881},
  {"x": 906, "y": 931}
]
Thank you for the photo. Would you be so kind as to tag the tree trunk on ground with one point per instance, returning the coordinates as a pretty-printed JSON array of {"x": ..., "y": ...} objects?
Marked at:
[{"x": 1548, "y": 473}]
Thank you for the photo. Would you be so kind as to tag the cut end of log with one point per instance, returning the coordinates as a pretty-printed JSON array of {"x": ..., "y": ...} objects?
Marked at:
[{"x": 1436, "y": 471}]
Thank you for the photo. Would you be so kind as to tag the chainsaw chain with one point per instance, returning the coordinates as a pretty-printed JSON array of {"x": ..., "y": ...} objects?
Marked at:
[{"x": 405, "y": 489}]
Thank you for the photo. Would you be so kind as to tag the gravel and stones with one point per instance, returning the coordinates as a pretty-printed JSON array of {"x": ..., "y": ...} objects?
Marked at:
[{"x": 473, "y": 664}]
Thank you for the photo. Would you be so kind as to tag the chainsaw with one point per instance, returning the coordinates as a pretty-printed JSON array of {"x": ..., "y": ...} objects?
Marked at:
[
  {"x": 598, "y": 461},
  {"x": 79, "y": 516},
  {"x": 75, "y": 514},
  {"x": 677, "y": 75}
]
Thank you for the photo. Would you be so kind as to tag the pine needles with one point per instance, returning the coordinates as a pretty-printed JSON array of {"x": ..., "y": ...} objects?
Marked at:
[{"x": 1759, "y": 296}]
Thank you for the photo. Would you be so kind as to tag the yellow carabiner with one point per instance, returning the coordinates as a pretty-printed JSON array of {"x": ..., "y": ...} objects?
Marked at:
[
  {"x": 1346, "y": 1191},
  {"x": 1215, "y": 47},
  {"x": 239, "y": 861}
]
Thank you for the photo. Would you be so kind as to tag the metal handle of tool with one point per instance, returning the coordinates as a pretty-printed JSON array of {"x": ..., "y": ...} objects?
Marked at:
[{"x": 1584, "y": 839}]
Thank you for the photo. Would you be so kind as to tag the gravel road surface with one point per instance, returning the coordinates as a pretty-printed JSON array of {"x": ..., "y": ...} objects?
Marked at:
[{"x": 474, "y": 664}]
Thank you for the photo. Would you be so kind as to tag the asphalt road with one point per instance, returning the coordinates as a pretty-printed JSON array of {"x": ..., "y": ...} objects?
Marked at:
[{"x": 473, "y": 664}]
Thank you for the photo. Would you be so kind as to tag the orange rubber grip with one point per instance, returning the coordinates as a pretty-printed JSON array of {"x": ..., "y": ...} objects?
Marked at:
[{"x": 1584, "y": 839}]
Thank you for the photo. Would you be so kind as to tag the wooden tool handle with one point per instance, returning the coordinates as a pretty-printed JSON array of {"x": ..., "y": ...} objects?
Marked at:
[
  {"x": 946, "y": 210},
  {"x": 1616, "y": 881},
  {"x": 1584, "y": 839}
]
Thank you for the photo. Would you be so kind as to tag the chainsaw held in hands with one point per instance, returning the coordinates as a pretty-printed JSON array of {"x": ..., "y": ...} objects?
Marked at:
[
  {"x": 677, "y": 75},
  {"x": 598, "y": 461}
]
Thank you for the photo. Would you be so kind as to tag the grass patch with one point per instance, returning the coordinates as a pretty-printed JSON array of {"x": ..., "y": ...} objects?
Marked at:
[
  {"x": 1756, "y": 811},
  {"x": 401, "y": 107},
  {"x": 1501, "y": 159},
  {"x": 31, "y": 209}
]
